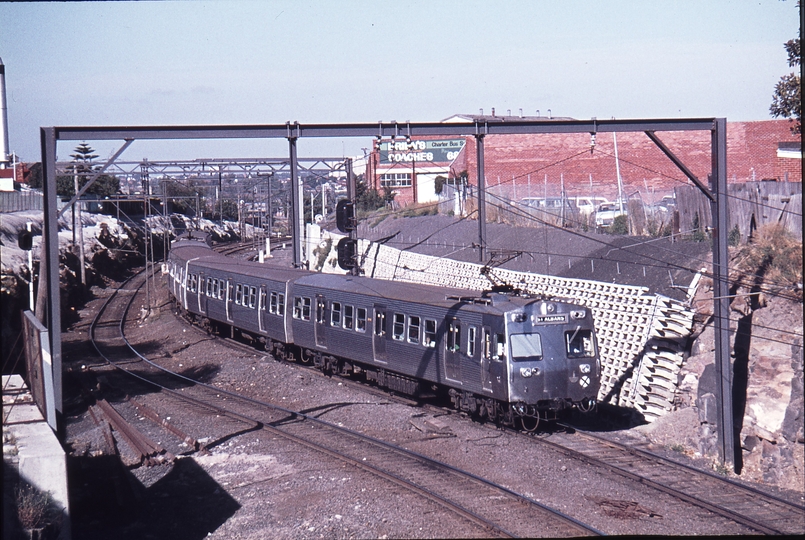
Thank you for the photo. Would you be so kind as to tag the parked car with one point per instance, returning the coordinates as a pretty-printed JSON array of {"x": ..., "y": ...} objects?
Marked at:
[
  {"x": 607, "y": 212},
  {"x": 587, "y": 205}
]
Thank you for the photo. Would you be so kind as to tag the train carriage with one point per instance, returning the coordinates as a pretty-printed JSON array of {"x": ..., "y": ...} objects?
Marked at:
[{"x": 507, "y": 357}]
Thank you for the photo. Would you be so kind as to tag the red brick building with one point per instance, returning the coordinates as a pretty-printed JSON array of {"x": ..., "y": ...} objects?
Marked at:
[{"x": 537, "y": 165}]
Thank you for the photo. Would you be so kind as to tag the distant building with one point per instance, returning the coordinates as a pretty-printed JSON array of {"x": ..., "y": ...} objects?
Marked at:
[{"x": 541, "y": 165}]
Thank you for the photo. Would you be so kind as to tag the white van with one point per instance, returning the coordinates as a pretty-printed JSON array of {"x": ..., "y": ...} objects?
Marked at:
[{"x": 588, "y": 205}]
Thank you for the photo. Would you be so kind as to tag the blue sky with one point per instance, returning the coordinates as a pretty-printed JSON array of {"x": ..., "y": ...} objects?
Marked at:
[{"x": 268, "y": 62}]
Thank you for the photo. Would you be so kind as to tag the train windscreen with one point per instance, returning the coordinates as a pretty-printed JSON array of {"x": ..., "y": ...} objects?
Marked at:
[{"x": 526, "y": 347}]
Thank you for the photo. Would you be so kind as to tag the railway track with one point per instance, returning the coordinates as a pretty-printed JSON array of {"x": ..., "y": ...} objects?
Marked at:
[
  {"x": 751, "y": 507},
  {"x": 758, "y": 510},
  {"x": 495, "y": 509}
]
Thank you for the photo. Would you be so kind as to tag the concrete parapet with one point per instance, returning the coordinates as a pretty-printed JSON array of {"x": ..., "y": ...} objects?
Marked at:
[{"x": 37, "y": 456}]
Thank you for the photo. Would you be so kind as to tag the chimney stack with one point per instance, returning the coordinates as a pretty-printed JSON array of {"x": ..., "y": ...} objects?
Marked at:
[{"x": 4, "y": 156}]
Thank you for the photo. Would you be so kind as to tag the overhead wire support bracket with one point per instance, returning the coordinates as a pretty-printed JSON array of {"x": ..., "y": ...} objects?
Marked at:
[{"x": 682, "y": 167}]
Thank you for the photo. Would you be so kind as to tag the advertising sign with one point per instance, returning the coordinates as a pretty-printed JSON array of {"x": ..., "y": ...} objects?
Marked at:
[{"x": 443, "y": 151}]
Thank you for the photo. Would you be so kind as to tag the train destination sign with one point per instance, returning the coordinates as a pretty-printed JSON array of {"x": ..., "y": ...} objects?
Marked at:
[
  {"x": 550, "y": 319},
  {"x": 441, "y": 151}
]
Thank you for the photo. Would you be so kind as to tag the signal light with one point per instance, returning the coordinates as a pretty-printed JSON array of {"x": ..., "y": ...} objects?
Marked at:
[
  {"x": 346, "y": 253},
  {"x": 25, "y": 240},
  {"x": 345, "y": 216}
]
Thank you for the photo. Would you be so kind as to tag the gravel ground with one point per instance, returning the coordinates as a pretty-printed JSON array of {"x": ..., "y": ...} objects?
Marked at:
[{"x": 251, "y": 485}]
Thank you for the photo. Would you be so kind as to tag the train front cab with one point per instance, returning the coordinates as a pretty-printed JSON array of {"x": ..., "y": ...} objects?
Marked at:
[{"x": 553, "y": 361}]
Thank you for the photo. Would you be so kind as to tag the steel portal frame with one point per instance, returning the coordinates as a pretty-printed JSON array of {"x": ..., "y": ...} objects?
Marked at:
[{"x": 293, "y": 131}]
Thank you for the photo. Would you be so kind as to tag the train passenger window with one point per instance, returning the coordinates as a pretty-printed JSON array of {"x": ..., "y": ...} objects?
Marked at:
[
  {"x": 301, "y": 308},
  {"x": 349, "y": 317},
  {"x": 471, "y": 331},
  {"x": 399, "y": 327},
  {"x": 272, "y": 306},
  {"x": 500, "y": 347},
  {"x": 320, "y": 310},
  {"x": 222, "y": 286},
  {"x": 413, "y": 329},
  {"x": 262, "y": 300},
  {"x": 487, "y": 344},
  {"x": 209, "y": 286},
  {"x": 526, "y": 347},
  {"x": 252, "y": 297},
  {"x": 281, "y": 304},
  {"x": 430, "y": 333},
  {"x": 453, "y": 342},
  {"x": 579, "y": 343},
  {"x": 335, "y": 314},
  {"x": 380, "y": 323},
  {"x": 360, "y": 321},
  {"x": 239, "y": 294}
]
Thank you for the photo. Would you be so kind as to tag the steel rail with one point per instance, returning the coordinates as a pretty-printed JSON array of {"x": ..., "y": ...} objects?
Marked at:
[
  {"x": 594, "y": 456},
  {"x": 564, "y": 520}
]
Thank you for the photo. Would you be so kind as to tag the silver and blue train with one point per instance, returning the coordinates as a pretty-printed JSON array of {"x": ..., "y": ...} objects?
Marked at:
[{"x": 507, "y": 358}]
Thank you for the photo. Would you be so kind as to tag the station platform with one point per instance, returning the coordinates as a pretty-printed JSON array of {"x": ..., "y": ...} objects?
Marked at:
[{"x": 32, "y": 455}]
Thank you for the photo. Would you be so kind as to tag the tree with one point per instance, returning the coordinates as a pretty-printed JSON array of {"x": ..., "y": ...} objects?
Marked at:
[
  {"x": 104, "y": 186},
  {"x": 787, "y": 99}
]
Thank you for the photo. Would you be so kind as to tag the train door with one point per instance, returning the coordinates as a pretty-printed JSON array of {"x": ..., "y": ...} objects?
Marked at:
[
  {"x": 379, "y": 334},
  {"x": 228, "y": 300},
  {"x": 200, "y": 290},
  {"x": 452, "y": 355},
  {"x": 262, "y": 309},
  {"x": 320, "y": 329},
  {"x": 494, "y": 375}
]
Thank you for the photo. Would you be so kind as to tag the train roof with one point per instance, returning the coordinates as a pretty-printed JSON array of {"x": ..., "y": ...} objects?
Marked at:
[
  {"x": 378, "y": 288},
  {"x": 409, "y": 292}
]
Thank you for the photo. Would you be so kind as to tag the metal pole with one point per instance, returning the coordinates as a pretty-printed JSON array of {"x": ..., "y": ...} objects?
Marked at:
[
  {"x": 296, "y": 206},
  {"x": 479, "y": 150},
  {"x": 721, "y": 302},
  {"x": 80, "y": 226},
  {"x": 50, "y": 315}
]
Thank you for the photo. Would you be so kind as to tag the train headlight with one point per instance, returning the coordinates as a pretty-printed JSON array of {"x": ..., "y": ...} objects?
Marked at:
[
  {"x": 529, "y": 372},
  {"x": 584, "y": 368},
  {"x": 578, "y": 314}
]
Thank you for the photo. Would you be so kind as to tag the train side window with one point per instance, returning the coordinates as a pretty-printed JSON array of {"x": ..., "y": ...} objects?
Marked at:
[
  {"x": 471, "y": 334},
  {"x": 252, "y": 297},
  {"x": 579, "y": 343},
  {"x": 335, "y": 314},
  {"x": 430, "y": 333},
  {"x": 238, "y": 294},
  {"x": 321, "y": 315},
  {"x": 360, "y": 321},
  {"x": 486, "y": 341},
  {"x": 380, "y": 323},
  {"x": 209, "y": 286},
  {"x": 263, "y": 300},
  {"x": 413, "y": 329},
  {"x": 500, "y": 347},
  {"x": 272, "y": 303},
  {"x": 453, "y": 342},
  {"x": 349, "y": 317},
  {"x": 399, "y": 327},
  {"x": 301, "y": 308},
  {"x": 281, "y": 304},
  {"x": 222, "y": 286}
]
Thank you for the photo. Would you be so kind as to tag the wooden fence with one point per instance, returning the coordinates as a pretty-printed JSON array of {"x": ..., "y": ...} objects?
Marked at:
[{"x": 751, "y": 205}]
